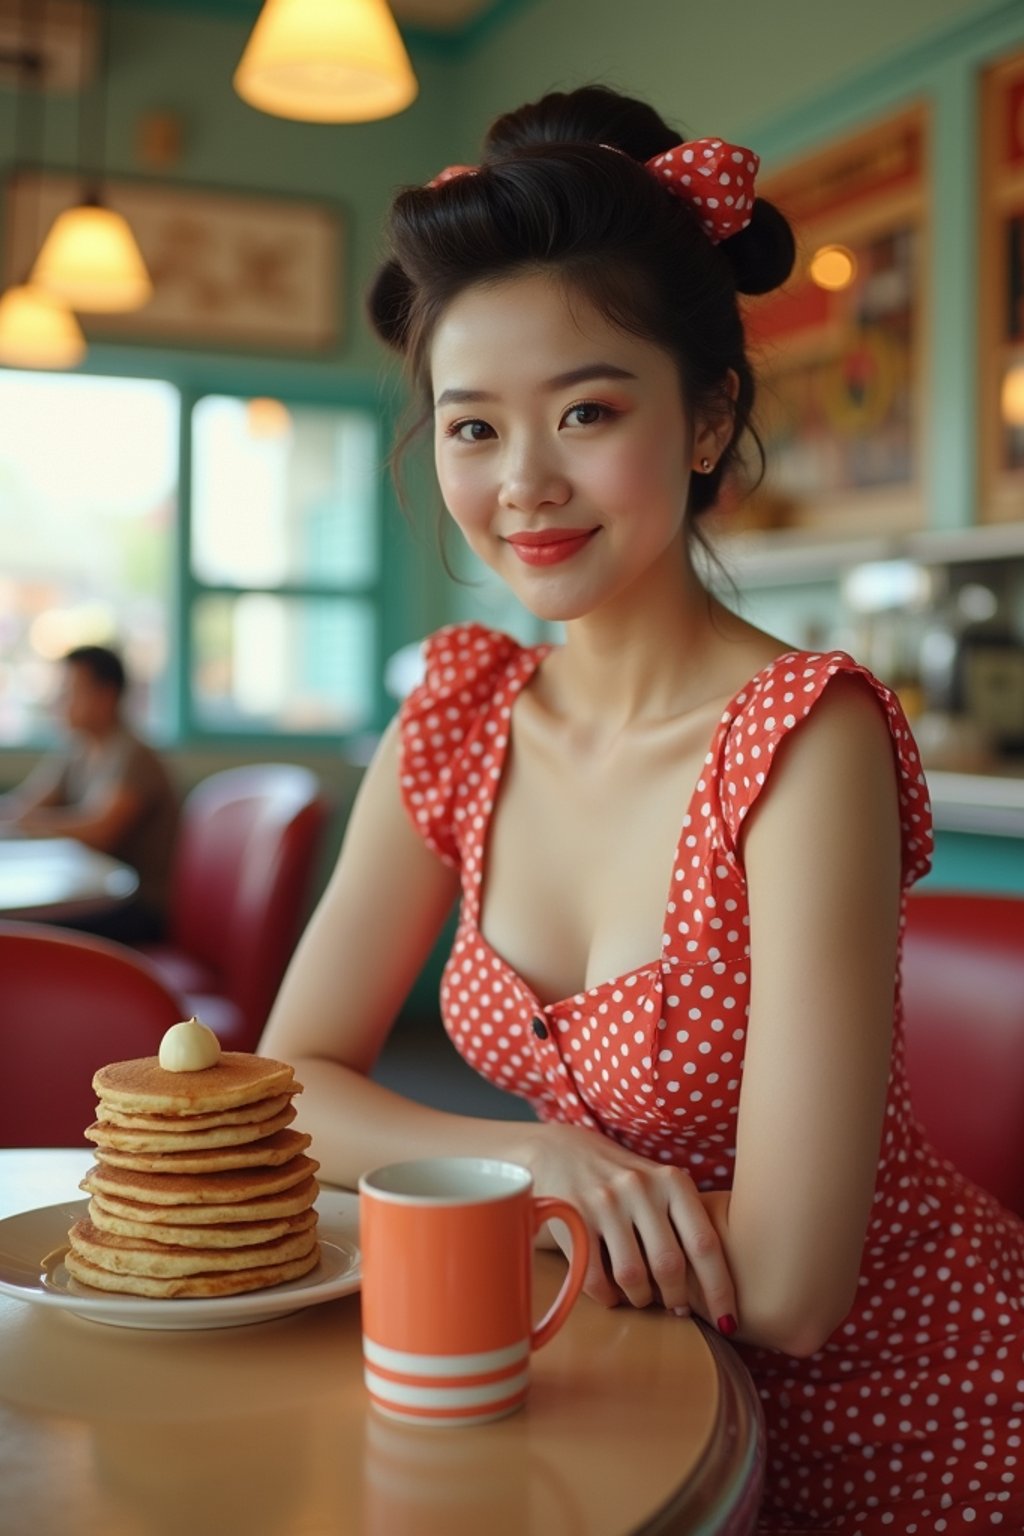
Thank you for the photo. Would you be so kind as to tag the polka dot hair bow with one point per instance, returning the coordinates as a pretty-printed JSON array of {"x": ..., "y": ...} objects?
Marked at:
[{"x": 715, "y": 178}]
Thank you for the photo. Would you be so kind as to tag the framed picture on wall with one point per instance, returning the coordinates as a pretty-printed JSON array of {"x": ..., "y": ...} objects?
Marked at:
[
  {"x": 1001, "y": 361},
  {"x": 839, "y": 350},
  {"x": 230, "y": 270}
]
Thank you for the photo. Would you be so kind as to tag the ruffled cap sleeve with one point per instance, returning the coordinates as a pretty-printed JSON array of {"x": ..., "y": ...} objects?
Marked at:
[
  {"x": 778, "y": 702},
  {"x": 463, "y": 667}
]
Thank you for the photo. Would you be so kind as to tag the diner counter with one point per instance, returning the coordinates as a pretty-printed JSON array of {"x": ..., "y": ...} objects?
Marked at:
[
  {"x": 637, "y": 1422},
  {"x": 986, "y": 803}
]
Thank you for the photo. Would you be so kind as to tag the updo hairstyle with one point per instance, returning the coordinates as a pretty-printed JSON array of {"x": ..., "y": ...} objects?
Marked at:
[{"x": 551, "y": 196}]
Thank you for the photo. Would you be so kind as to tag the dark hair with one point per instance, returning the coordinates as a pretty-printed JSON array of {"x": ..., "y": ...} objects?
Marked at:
[
  {"x": 103, "y": 665},
  {"x": 550, "y": 196}
]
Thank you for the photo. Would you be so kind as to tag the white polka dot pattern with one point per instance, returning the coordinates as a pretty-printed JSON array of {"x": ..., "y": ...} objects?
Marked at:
[
  {"x": 715, "y": 178},
  {"x": 909, "y": 1420}
]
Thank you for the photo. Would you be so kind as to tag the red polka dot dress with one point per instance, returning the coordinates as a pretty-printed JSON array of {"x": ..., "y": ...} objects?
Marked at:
[{"x": 910, "y": 1419}]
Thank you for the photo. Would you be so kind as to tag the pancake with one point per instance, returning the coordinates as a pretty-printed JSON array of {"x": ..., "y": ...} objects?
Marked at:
[
  {"x": 289, "y": 1202},
  {"x": 138, "y": 1256},
  {"x": 144, "y": 1087},
  {"x": 226, "y": 1188},
  {"x": 230, "y": 1283},
  {"x": 199, "y": 1188},
  {"x": 268, "y": 1153},
  {"x": 216, "y": 1234},
  {"x": 123, "y": 1139},
  {"x": 247, "y": 1114}
]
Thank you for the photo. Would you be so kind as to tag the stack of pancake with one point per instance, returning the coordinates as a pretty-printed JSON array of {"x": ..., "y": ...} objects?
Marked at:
[{"x": 199, "y": 1188}]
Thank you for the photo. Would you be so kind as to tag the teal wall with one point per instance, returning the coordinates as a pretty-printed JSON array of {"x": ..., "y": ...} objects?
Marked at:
[
  {"x": 967, "y": 862},
  {"x": 713, "y": 66}
]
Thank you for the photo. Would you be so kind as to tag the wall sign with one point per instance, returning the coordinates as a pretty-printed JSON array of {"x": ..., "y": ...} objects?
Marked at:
[{"x": 230, "y": 271}]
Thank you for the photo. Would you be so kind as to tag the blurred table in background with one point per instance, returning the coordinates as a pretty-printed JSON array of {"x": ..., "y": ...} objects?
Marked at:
[{"x": 54, "y": 879}]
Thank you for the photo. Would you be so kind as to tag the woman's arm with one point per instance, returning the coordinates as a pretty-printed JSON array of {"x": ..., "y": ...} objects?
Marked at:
[
  {"x": 822, "y": 855},
  {"x": 368, "y": 940}
]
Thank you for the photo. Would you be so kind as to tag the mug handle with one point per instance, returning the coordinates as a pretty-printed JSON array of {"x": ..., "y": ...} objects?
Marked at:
[{"x": 547, "y": 1208}]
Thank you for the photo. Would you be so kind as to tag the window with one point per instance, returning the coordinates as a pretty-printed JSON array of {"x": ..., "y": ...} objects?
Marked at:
[
  {"x": 88, "y": 501},
  {"x": 273, "y": 597},
  {"x": 285, "y": 561}
]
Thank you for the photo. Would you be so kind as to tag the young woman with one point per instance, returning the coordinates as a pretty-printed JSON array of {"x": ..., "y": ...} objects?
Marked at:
[{"x": 680, "y": 844}]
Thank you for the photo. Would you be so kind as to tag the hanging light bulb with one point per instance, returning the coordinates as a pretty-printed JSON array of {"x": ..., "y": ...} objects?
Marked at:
[
  {"x": 90, "y": 257},
  {"x": 326, "y": 61},
  {"x": 37, "y": 330},
  {"x": 91, "y": 260}
]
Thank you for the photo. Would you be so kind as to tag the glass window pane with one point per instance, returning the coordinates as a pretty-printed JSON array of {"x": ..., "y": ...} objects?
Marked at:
[
  {"x": 283, "y": 494},
  {"x": 266, "y": 663},
  {"x": 88, "y": 499}
]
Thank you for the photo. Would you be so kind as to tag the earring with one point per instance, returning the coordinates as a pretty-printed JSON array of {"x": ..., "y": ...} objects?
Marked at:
[{"x": 706, "y": 466}]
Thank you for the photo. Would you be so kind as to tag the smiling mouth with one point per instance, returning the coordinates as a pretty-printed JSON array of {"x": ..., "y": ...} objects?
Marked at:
[{"x": 550, "y": 546}]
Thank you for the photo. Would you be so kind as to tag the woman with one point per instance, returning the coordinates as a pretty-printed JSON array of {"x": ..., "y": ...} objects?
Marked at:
[{"x": 730, "y": 1110}]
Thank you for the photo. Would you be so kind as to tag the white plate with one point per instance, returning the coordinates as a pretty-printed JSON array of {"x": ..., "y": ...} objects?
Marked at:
[{"x": 31, "y": 1269}]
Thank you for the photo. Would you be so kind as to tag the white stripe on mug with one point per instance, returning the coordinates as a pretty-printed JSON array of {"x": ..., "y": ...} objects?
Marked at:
[
  {"x": 404, "y": 1395},
  {"x": 408, "y": 1364}
]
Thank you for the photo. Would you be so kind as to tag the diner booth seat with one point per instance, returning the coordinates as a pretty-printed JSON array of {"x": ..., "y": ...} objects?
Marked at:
[
  {"x": 963, "y": 998},
  {"x": 69, "y": 1004},
  {"x": 240, "y": 888}
]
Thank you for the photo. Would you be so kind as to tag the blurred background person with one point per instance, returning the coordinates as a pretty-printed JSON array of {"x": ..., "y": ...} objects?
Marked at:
[{"x": 105, "y": 787}]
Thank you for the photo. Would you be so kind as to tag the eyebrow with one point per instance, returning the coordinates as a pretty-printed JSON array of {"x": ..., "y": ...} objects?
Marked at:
[{"x": 584, "y": 375}]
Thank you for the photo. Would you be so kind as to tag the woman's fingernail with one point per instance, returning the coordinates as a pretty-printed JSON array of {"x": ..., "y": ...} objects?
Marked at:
[
  {"x": 681, "y": 1311},
  {"x": 727, "y": 1324}
]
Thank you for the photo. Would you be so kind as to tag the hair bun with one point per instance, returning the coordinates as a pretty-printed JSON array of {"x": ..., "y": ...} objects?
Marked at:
[
  {"x": 591, "y": 115},
  {"x": 388, "y": 304},
  {"x": 762, "y": 255}
]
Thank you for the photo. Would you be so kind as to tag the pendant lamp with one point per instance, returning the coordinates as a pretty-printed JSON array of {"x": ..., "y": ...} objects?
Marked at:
[
  {"x": 91, "y": 260},
  {"x": 90, "y": 257},
  {"x": 326, "y": 61},
  {"x": 37, "y": 330}
]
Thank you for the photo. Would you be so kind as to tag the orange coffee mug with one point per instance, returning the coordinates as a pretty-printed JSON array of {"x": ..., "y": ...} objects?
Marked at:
[{"x": 447, "y": 1261}]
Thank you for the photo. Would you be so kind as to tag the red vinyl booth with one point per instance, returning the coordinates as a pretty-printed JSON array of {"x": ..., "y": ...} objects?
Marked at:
[
  {"x": 963, "y": 994},
  {"x": 242, "y": 878},
  {"x": 69, "y": 1004}
]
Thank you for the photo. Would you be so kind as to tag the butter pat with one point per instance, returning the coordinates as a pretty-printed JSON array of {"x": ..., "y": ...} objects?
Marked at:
[{"x": 189, "y": 1047}]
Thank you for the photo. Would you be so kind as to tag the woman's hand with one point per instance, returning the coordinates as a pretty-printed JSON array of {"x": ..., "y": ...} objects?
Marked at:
[{"x": 651, "y": 1239}]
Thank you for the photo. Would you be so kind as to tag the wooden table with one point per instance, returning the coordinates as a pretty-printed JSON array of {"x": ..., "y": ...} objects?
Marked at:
[
  {"x": 637, "y": 1422},
  {"x": 50, "y": 879}
]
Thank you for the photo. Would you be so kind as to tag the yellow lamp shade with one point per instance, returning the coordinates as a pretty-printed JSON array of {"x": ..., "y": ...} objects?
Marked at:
[
  {"x": 326, "y": 61},
  {"x": 90, "y": 259},
  {"x": 37, "y": 330}
]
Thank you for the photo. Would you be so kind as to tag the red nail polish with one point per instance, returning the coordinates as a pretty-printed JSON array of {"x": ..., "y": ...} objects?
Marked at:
[{"x": 727, "y": 1324}]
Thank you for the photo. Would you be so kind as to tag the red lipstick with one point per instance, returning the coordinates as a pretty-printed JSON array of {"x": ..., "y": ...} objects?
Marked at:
[{"x": 549, "y": 546}]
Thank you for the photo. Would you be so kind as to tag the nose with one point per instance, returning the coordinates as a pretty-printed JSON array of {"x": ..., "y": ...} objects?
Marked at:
[{"x": 531, "y": 478}]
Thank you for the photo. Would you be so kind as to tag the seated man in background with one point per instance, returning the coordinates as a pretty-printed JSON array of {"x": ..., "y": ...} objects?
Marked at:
[{"x": 106, "y": 788}]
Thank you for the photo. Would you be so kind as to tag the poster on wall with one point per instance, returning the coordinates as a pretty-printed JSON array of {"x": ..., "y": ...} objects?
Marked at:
[
  {"x": 1001, "y": 364},
  {"x": 838, "y": 350},
  {"x": 229, "y": 270}
]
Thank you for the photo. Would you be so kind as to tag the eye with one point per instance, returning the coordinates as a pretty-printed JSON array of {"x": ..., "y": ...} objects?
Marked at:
[
  {"x": 471, "y": 431},
  {"x": 587, "y": 413}
]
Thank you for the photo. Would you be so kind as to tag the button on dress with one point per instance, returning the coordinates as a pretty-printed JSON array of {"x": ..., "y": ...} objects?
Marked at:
[{"x": 910, "y": 1419}]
